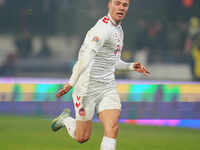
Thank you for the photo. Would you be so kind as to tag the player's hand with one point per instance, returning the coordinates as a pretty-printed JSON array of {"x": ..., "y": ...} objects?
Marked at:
[
  {"x": 140, "y": 68},
  {"x": 65, "y": 90}
]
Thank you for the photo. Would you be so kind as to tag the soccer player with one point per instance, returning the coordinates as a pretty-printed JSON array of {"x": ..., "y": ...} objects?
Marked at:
[{"x": 93, "y": 79}]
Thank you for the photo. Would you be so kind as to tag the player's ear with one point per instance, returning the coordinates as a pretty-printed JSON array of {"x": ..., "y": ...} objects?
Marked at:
[{"x": 109, "y": 3}]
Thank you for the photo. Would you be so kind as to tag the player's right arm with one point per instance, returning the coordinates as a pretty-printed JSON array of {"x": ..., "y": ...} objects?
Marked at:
[
  {"x": 81, "y": 64},
  {"x": 93, "y": 42},
  {"x": 85, "y": 57}
]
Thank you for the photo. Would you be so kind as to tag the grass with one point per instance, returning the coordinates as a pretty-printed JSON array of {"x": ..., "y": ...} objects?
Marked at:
[{"x": 34, "y": 133}]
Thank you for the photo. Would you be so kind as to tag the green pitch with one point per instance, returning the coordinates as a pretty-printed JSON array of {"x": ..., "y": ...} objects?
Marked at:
[{"x": 34, "y": 133}]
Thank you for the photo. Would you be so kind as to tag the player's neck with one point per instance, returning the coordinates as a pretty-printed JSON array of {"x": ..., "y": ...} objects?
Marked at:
[{"x": 116, "y": 23}]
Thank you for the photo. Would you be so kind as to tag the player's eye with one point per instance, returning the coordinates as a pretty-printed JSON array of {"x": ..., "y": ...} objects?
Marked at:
[
  {"x": 125, "y": 4},
  {"x": 117, "y": 3}
]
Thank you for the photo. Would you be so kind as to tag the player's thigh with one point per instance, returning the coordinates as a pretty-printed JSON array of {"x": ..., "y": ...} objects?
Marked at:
[
  {"x": 109, "y": 119},
  {"x": 110, "y": 101},
  {"x": 109, "y": 109},
  {"x": 84, "y": 112},
  {"x": 84, "y": 107}
]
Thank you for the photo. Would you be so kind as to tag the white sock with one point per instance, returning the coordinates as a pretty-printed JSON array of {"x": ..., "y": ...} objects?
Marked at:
[
  {"x": 108, "y": 143},
  {"x": 70, "y": 124}
]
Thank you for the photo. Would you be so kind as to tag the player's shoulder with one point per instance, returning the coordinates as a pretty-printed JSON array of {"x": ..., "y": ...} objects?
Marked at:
[
  {"x": 103, "y": 24},
  {"x": 104, "y": 20},
  {"x": 102, "y": 27}
]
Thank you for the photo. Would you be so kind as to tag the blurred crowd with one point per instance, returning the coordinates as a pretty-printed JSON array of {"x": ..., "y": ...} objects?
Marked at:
[
  {"x": 163, "y": 41},
  {"x": 151, "y": 41},
  {"x": 157, "y": 41},
  {"x": 192, "y": 47},
  {"x": 175, "y": 42}
]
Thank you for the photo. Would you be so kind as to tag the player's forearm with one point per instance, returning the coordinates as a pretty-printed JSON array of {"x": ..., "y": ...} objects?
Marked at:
[
  {"x": 121, "y": 65},
  {"x": 80, "y": 66},
  {"x": 74, "y": 76}
]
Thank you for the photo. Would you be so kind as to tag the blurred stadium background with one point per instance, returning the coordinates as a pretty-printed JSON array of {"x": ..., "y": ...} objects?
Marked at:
[{"x": 39, "y": 43}]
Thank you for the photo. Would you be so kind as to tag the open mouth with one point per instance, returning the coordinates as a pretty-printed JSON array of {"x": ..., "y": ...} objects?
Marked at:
[{"x": 120, "y": 14}]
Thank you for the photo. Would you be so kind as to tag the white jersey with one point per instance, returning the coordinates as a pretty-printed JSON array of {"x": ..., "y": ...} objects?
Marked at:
[{"x": 100, "y": 53}]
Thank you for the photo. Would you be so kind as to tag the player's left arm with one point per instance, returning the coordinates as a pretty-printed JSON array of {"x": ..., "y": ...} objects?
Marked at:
[
  {"x": 121, "y": 65},
  {"x": 138, "y": 67},
  {"x": 135, "y": 66}
]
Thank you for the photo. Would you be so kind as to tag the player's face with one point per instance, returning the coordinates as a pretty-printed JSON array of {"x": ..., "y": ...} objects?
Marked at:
[{"x": 118, "y": 9}]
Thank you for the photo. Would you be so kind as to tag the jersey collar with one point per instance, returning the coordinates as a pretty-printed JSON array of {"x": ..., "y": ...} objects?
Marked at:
[{"x": 112, "y": 21}]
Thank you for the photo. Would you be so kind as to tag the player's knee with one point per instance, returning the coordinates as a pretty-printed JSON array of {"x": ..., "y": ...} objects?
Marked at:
[
  {"x": 115, "y": 127},
  {"x": 112, "y": 129},
  {"x": 82, "y": 139}
]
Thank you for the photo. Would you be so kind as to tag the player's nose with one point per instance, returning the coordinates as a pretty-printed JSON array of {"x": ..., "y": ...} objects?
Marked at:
[{"x": 121, "y": 7}]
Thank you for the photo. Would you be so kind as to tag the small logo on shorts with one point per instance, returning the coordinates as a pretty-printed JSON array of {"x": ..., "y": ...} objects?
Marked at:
[
  {"x": 78, "y": 101},
  {"x": 82, "y": 112}
]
